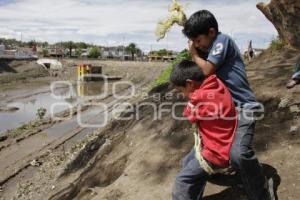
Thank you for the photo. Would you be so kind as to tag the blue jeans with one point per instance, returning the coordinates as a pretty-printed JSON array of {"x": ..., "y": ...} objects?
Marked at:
[
  {"x": 191, "y": 180},
  {"x": 296, "y": 74}
]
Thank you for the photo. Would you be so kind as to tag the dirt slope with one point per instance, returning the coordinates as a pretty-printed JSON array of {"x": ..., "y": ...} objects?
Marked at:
[
  {"x": 139, "y": 159},
  {"x": 18, "y": 70},
  {"x": 143, "y": 161},
  {"x": 26, "y": 178}
]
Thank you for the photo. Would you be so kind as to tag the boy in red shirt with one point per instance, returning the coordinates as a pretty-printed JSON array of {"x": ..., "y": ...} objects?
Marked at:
[{"x": 212, "y": 110}]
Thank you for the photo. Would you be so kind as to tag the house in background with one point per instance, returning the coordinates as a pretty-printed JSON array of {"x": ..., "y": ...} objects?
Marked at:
[
  {"x": 85, "y": 53},
  {"x": 67, "y": 52},
  {"x": 20, "y": 53},
  {"x": 56, "y": 52},
  {"x": 154, "y": 56},
  {"x": 25, "y": 53},
  {"x": 116, "y": 53}
]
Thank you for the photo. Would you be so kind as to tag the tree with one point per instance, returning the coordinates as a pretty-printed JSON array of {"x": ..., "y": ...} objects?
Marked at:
[
  {"x": 45, "y": 52},
  {"x": 82, "y": 45},
  {"x": 133, "y": 49},
  {"x": 78, "y": 52},
  {"x": 44, "y": 44},
  {"x": 70, "y": 47},
  {"x": 31, "y": 43},
  {"x": 284, "y": 15},
  {"x": 161, "y": 52},
  {"x": 94, "y": 52},
  {"x": 164, "y": 52}
]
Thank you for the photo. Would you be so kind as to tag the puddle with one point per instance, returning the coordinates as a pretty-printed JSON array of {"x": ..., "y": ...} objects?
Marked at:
[{"x": 28, "y": 106}]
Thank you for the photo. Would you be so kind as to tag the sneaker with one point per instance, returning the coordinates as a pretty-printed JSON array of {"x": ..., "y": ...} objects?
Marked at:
[{"x": 292, "y": 83}]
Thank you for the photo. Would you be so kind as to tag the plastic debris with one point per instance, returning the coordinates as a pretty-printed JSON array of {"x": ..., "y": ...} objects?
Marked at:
[{"x": 176, "y": 16}]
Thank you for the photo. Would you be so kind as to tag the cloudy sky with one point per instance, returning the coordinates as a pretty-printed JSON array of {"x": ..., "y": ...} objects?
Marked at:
[{"x": 117, "y": 22}]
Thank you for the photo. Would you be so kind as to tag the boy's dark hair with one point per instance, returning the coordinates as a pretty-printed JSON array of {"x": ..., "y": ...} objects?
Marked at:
[
  {"x": 200, "y": 23},
  {"x": 186, "y": 70}
]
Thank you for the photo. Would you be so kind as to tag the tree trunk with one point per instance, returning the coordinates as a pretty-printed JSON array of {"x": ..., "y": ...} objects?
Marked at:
[
  {"x": 285, "y": 16},
  {"x": 70, "y": 51}
]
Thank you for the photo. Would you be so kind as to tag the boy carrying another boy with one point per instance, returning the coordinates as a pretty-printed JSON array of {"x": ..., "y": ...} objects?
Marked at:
[
  {"x": 235, "y": 147},
  {"x": 212, "y": 110}
]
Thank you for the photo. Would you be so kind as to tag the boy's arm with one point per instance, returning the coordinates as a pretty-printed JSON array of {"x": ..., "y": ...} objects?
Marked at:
[
  {"x": 219, "y": 53},
  {"x": 207, "y": 67}
]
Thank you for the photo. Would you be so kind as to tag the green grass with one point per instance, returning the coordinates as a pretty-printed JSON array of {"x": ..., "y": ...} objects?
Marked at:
[
  {"x": 277, "y": 44},
  {"x": 165, "y": 75},
  {"x": 14, "y": 133}
]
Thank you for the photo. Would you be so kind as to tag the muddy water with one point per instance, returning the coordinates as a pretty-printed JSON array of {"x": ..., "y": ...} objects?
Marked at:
[
  {"x": 75, "y": 129},
  {"x": 60, "y": 99}
]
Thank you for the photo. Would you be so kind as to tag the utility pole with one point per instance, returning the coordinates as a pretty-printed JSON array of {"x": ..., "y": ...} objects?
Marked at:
[
  {"x": 150, "y": 59},
  {"x": 123, "y": 48}
]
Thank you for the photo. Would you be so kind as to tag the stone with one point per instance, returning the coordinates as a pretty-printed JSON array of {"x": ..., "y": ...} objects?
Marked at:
[
  {"x": 294, "y": 130},
  {"x": 35, "y": 163},
  {"x": 3, "y": 138},
  {"x": 294, "y": 109},
  {"x": 284, "y": 102}
]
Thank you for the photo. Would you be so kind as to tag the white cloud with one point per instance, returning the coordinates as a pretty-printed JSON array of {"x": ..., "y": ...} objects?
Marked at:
[
  {"x": 9, "y": 33},
  {"x": 108, "y": 22}
]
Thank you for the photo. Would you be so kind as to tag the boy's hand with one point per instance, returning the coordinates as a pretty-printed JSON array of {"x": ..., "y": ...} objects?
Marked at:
[
  {"x": 199, "y": 57},
  {"x": 196, "y": 53},
  {"x": 193, "y": 50}
]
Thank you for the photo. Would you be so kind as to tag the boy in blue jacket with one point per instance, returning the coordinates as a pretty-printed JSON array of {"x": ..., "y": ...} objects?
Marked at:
[{"x": 222, "y": 57}]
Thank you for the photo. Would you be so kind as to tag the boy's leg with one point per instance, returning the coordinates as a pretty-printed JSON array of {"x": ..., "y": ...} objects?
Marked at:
[
  {"x": 297, "y": 66},
  {"x": 294, "y": 81},
  {"x": 244, "y": 161},
  {"x": 190, "y": 156},
  {"x": 296, "y": 75},
  {"x": 190, "y": 181}
]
